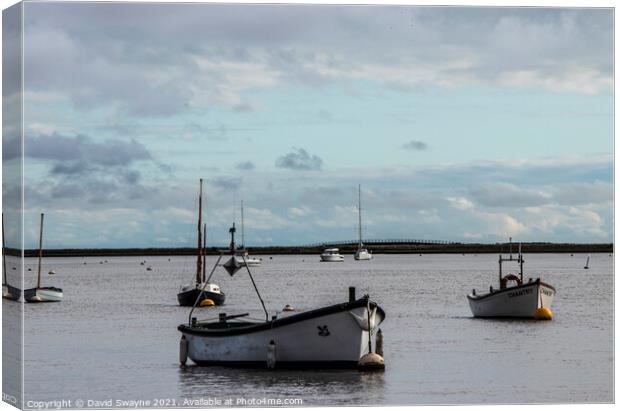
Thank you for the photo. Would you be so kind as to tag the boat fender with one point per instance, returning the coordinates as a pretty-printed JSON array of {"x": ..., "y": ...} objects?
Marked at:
[
  {"x": 271, "y": 355},
  {"x": 371, "y": 362},
  {"x": 543, "y": 313},
  {"x": 183, "y": 347},
  {"x": 473, "y": 292},
  {"x": 379, "y": 343}
]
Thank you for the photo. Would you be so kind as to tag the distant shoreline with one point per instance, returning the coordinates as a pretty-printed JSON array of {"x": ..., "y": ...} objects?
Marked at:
[{"x": 383, "y": 248}]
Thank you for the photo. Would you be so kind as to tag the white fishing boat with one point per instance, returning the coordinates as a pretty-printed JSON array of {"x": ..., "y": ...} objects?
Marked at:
[
  {"x": 8, "y": 291},
  {"x": 361, "y": 253},
  {"x": 200, "y": 290},
  {"x": 42, "y": 294},
  {"x": 246, "y": 258},
  {"x": 332, "y": 255},
  {"x": 335, "y": 336},
  {"x": 531, "y": 299}
]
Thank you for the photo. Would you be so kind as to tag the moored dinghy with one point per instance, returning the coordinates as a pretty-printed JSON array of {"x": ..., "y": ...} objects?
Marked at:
[
  {"x": 335, "y": 336},
  {"x": 42, "y": 294},
  {"x": 522, "y": 300}
]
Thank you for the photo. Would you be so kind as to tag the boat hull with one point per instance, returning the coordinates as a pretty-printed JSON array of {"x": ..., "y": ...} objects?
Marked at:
[
  {"x": 188, "y": 298},
  {"x": 520, "y": 301},
  {"x": 43, "y": 295},
  {"x": 363, "y": 255},
  {"x": 331, "y": 337},
  {"x": 332, "y": 258},
  {"x": 10, "y": 293}
]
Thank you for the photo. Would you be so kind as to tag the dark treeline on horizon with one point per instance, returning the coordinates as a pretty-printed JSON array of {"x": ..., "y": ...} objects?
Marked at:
[{"x": 383, "y": 248}]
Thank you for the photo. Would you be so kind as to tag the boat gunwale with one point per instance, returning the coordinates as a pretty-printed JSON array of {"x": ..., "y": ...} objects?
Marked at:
[
  {"x": 279, "y": 322},
  {"x": 538, "y": 282}
]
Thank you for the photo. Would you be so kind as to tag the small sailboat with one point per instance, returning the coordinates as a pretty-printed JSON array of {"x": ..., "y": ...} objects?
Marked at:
[
  {"x": 587, "y": 266},
  {"x": 196, "y": 293},
  {"x": 42, "y": 294},
  {"x": 331, "y": 255},
  {"x": 530, "y": 299},
  {"x": 335, "y": 336},
  {"x": 246, "y": 259},
  {"x": 361, "y": 253},
  {"x": 8, "y": 291}
]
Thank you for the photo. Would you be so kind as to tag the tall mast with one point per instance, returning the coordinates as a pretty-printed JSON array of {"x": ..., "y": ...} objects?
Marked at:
[
  {"x": 3, "y": 254},
  {"x": 199, "y": 259},
  {"x": 359, "y": 209},
  {"x": 204, "y": 253},
  {"x": 40, "y": 252},
  {"x": 242, "y": 228}
]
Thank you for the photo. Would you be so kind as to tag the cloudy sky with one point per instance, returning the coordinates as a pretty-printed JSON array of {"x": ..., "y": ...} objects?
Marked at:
[{"x": 463, "y": 124}]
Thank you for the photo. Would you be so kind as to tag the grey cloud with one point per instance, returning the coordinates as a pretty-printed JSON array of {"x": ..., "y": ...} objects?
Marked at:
[
  {"x": 415, "y": 145},
  {"x": 508, "y": 195},
  {"x": 245, "y": 165},
  {"x": 299, "y": 159},
  {"x": 149, "y": 66},
  {"x": 226, "y": 183}
]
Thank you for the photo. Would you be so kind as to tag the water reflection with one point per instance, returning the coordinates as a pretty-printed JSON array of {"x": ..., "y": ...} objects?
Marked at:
[{"x": 343, "y": 386}]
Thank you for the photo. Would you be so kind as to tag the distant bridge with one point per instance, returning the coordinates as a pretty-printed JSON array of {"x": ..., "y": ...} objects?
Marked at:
[{"x": 372, "y": 241}]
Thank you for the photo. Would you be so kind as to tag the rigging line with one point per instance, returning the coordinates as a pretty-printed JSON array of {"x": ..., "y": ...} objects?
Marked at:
[
  {"x": 255, "y": 288},
  {"x": 202, "y": 290}
]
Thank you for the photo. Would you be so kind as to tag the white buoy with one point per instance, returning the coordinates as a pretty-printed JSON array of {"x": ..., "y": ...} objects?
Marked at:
[
  {"x": 183, "y": 347},
  {"x": 271, "y": 355}
]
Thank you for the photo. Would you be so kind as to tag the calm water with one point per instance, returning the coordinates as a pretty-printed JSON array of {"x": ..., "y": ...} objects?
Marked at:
[{"x": 114, "y": 336}]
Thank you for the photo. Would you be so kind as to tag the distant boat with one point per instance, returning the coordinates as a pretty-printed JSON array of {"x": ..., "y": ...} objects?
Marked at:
[
  {"x": 361, "y": 253},
  {"x": 42, "y": 294},
  {"x": 246, "y": 258},
  {"x": 332, "y": 255},
  {"x": 521, "y": 300},
  {"x": 8, "y": 291},
  {"x": 193, "y": 294},
  {"x": 587, "y": 266}
]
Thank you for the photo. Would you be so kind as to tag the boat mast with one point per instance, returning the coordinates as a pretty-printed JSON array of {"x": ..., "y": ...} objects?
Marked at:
[
  {"x": 520, "y": 264},
  {"x": 199, "y": 259},
  {"x": 204, "y": 252},
  {"x": 40, "y": 252},
  {"x": 3, "y": 254},
  {"x": 359, "y": 209},
  {"x": 242, "y": 228}
]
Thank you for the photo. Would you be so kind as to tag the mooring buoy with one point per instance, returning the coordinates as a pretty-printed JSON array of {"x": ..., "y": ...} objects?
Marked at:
[
  {"x": 371, "y": 362},
  {"x": 207, "y": 302},
  {"x": 543, "y": 313}
]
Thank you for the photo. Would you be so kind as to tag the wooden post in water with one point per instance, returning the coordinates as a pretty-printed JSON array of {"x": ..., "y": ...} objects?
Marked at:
[{"x": 40, "y": 252}]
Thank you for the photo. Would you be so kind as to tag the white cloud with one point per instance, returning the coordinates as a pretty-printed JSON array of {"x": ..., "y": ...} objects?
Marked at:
[{"x": 460, "y": 203}]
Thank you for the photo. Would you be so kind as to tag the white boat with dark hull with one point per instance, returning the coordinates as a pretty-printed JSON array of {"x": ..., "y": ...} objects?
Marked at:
[
  {"x": 530, "y": 299},
  {"x": 8, "y": 291},
  {"x": 42, "y": 294},
  {"x": 192, "y": 294},
  {"x": 332, "y": 255},
  {"x": 330, "y": 337},
  {"x": 361, "y": 253}
]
